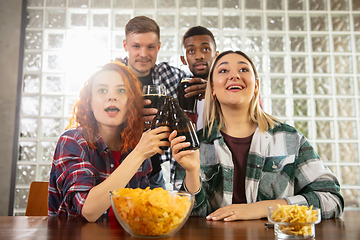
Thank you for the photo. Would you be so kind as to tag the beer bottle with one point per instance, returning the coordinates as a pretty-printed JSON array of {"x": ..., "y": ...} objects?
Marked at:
[
  {"x": 162, "y": 118},
  {"x": 183, "y": 125}
]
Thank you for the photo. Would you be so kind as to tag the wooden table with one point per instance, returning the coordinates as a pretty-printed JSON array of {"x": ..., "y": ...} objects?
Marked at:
[{"x": 346, "y": 227}]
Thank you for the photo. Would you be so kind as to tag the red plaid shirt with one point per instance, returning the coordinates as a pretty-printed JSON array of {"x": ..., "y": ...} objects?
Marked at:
[{"x": 77, "y": 168}]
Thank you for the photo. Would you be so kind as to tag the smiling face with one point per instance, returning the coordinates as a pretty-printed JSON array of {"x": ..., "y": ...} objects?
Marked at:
[
  {"x": 200, "y": 52},
  {"x": 109, "y": 98},
  {"x": 143, "y": 49},
  {"x": 234, "y": 82}
]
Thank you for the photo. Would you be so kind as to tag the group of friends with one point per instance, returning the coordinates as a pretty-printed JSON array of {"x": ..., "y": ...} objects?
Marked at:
[{"x": 247, "y": 161}]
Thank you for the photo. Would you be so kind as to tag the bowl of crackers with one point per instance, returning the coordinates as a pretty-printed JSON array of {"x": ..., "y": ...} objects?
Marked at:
[
  {"x": 151, "y": 213},
  {"x": 294, "y": 221}
]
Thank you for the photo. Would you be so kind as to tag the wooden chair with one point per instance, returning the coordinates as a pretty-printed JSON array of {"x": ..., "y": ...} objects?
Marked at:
[{"x": 38, "y": 199}]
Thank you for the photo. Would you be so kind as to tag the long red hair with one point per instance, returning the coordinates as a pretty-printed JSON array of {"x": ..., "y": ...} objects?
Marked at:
[{"x": 131, "y": 129}]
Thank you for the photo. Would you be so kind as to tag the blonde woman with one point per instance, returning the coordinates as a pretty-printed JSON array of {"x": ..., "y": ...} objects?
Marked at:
[{"x": 249, "y": 160}]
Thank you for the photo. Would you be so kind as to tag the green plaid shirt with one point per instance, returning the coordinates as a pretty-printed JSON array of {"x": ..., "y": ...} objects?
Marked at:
[{"x": 281, "y": 164}]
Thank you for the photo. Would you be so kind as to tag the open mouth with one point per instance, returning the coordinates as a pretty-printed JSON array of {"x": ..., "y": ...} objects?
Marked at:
[
  {"x": 112, "y": 109},
  {"x": 234, "y": 87}
]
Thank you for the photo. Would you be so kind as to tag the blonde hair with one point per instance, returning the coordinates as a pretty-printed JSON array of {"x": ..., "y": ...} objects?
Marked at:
[{"x": 212, "y": 108}]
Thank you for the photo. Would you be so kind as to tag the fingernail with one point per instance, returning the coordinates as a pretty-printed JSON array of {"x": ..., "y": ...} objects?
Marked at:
[
  {"x": 182, "y": 138},
  {"x": 208, "y": 217},
  {"x": 225, "y": 219}
]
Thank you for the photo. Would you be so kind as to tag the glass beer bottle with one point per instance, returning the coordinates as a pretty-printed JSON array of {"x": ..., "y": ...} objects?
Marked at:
[
  {"x": 183, "y": 125},
  {"x": 162, "y": 118}
]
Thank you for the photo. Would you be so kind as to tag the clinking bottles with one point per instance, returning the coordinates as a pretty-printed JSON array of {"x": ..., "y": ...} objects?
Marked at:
[
  {"x": 162, "y": 118},
  {"x": 183, "y": 125}
]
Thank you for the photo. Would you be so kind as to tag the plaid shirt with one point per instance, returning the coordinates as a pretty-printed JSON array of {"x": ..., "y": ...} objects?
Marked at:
[
  {"x": 77, "y": 168},
  {"x": 170, "y": 77},
  {"x": 281, "y": 165}
]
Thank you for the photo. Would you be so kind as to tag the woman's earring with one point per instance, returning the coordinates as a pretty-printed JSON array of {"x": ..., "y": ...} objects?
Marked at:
[{"x": 214, "y": 98}]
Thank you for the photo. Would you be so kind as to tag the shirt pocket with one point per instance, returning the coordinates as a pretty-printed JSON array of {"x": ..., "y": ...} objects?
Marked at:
[{"x": 279, "y": 163}]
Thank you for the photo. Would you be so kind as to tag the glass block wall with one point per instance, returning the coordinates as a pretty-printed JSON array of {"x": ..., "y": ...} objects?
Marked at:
[{"x": 307, "y": 53}]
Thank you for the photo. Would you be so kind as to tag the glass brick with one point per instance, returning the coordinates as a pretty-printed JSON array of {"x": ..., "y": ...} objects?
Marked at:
[
  {"x": 325, "y": 130},
  {"x": 347, "y": 129},
  {"x": 298, "y": 43},
  {"x": 118, "y": 38},
  {"x": 296, "y": 4},
  {"x": 166, "y": 3},
  {"x": 21, "y": 198},
  {"x": 275, "y": 23},
  {"x": 231, "y": 22},
  {"x": 301, "y": 108},
  {"x": 144, "y": 4},
  {"x": 358, "y": 64},
  {"x": 277, "y": 85},
  {"x": 324, "y": 107},
  {"x": 32, "y": 61},
  {"x": 44, "y": 172},
  {"x": 320, "y": 43},
  {"x": 35, "y": 3},
  {"x": 25, "y": 174},
  {"x": 231, "y": 42},
  {"x": 340, "y": 23},
  {"x": 166, "y": 21},
  {"x": 33, "y": 40},
  {"x": 168, "y": 43},
  {"x": 348, "y": 152},
  {"x": 302, "y": 127},
  {"x": 350, "y": 175},
  {"x": 258, "y": 62},
  {"x": 34, "y": 18},
  {"x": 342, "y": 43},
  {"x": 55, "y": 18},
  {"x": 297, "y": 23},
  {"x": 210, "y": 4},
  {"x": 231, "y": 4},
  {"x": 100, "y": 20},
  {"x": 51, "y": 106},
  {"x": 55, "y": 3},
  {"x": 78, "y": 19},
  {"x": 321, "y": 64},
  {"x": 343, "y": 64},
  {"x": 344, "y": 86},
  {"x": 253, "y": 22},
  {"x": 53, "y": 84},
  {"x": 187, "y": 20},
  {"x": 346, "y": 107},
  {"x": 210, "y": 21},
  {"x": 79, "y": 3},
  {"x": 322, "y": 85},
  {"x": 355, "y": 5},
  {"x": 31, "y": 83},
  {"x": 275, "y": 5},
  {"x": 333, "y": 170},
  {"x": 319, "y": 23},
  {"x": 276, "y": 64},
  {"x": 47, "y": 150},
  {"x": 351, "y": 198},
  {"x": 30, "y": 106},
  {"x": 101, "y": 41},
  {"x": 253, "y": 4},
  {"x": 356, "y": 22},
  {"x": 298, "y": 64},
  {"x": 318, "y": 5},
  {"x": 123, "y": 4},
  {"x": 187, "y": 4},
  {"x": 326, "y": 151},
  {"x": 54, "y": 40},
  {"x": 100, "y": 3},
  {"x": 51, "y": 127},
  {"x": 27, "y": 151},
  {"x": 253, "y": 43},
  {"x": 339, "y": 5},
  {"x": 28, "y": 127},
  {"x": 69, "y": 105},
  {"x": 278, "y": 107},
  {"x": 276, "y": 43},
  {"x": 300, "y": 86},
  {"x": 54, "y": 62}
]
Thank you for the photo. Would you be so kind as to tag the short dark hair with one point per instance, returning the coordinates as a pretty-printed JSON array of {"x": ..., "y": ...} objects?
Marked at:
[
  {"x": 196, "y": 31},
  {"x": 142, "y": 24}
]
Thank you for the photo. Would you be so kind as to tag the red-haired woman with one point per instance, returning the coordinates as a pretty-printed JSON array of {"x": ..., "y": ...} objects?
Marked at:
[{"x": 105, "y": 148}]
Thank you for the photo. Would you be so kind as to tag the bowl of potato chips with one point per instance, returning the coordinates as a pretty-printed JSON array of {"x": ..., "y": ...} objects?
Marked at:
[
  {"x": 151, "y": 213},
  {"x": 294, "y": 221}
]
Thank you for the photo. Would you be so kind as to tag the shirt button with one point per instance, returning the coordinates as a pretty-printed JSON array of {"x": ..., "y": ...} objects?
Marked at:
[{"x": 112, "y": 165}]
